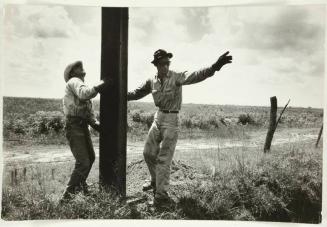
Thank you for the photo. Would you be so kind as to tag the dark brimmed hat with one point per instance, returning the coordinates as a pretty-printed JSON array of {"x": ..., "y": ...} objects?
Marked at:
[
  {"x": 69, "y": 68},
  {"x": 159, "y": 54}
]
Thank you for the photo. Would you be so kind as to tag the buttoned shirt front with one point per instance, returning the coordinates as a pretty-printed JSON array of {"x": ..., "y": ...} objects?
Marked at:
[
  {"x": 167, "y": 92},
  {"x": 77, "y": 100}
]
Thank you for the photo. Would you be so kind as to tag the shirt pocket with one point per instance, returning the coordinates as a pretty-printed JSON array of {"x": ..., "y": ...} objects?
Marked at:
[{"x": 156, "y": 97}]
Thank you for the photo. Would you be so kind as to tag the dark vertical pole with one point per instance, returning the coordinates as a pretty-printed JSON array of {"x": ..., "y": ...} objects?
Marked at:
[
  {"x": 272, "y": 123},
  {"x": 113, "y": 101}
]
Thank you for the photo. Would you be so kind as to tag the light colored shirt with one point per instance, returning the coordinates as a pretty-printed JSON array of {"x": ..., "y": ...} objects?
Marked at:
[
  {"x": 77, "y": 100},
  {"x": 167, "y": 93}
]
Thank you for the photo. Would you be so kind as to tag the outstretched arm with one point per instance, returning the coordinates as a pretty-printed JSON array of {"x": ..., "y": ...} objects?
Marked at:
[
  {"x": 81, "y": 90},
  {"x": 140, "y": 92},
  {"x": 84, "y": 92},
  {"x": 194, "y": 77},
  {"x": 200, "y": 75}
]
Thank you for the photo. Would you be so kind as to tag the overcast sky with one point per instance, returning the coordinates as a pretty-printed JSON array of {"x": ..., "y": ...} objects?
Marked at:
[{"x": 276, "y": 50}]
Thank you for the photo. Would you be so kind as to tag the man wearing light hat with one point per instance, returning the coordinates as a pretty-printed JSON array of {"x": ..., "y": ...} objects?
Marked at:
[
  {"x": 79, "y": 114},
  {"x": 166, "y": 89}
]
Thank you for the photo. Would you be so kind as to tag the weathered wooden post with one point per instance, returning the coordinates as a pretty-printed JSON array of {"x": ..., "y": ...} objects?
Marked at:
[
  {"x": 319, "y": 135},
  {"x": 12, "y": 178},
  {"x": 24, "y": 173},
  {"x": 113, "y": 102},
  {"x": 281, "y": 113},
  {"x": 272, "y": 123}
]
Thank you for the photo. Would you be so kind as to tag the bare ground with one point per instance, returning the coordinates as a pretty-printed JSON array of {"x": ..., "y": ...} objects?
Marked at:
[
  {"x": 196, "y": 163},
  {"x": 137, "y": 173},
  {"x": 31, "y": 154}
]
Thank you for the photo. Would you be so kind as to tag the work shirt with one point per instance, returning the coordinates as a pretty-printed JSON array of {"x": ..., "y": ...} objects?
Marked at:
[
  {"x": 76, "y": 102},
  {"x": 167, "y": 93}
]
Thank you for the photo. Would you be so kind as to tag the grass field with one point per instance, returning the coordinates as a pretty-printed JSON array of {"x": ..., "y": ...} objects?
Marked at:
[{"x": 219, "y": 170}]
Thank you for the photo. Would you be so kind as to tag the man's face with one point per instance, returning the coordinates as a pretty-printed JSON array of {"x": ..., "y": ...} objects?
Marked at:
[
  {"x": 79, "y": 72},
  {"x": 163, "y": 66}
]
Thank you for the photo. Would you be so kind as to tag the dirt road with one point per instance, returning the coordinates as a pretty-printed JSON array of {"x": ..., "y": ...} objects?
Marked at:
[{"x": 61, "y": 153}]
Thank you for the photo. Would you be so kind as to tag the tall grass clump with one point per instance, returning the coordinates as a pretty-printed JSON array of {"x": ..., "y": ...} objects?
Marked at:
[
  {"x": 285, "y": 186},
  {"x": 32, "y": 203}
]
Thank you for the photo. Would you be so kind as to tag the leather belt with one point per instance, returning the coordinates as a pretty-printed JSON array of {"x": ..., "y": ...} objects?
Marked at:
[{"x": 169, "y": 111}]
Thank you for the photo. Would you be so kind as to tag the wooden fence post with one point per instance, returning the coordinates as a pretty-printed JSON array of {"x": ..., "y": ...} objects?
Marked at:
[
  {"x": 113, "y": 101},
  {"x": 12, "y": 176},
  {"x": 53, "y": 174},
  {"x": 24, "y": 173},
  {"x": 319, "y": 135},
  {"x": 272, "y": 123}
]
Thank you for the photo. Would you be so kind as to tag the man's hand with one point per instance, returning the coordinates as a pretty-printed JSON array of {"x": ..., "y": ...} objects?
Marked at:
[
  {"x": 96, "y": 126},
  {"x": 103, "y": 85},
  {"x": 222, "y": 60},
  {"x": 108, "y": 80}
]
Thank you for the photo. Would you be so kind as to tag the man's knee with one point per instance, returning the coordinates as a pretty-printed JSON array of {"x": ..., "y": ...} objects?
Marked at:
[
  {"x": 149, "y": 155},
  {"x": 83, "y": 166},
  {"x": 150, "y": 148},
  {"x": 164, "y": 160}
]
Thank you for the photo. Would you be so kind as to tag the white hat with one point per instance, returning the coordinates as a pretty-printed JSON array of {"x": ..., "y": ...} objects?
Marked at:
[{"x": 69, "y": 68}]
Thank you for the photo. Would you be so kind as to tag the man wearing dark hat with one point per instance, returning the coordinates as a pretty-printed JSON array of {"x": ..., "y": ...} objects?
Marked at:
[
  {"x": 79, "y": 114},
  {"x": 166, "y": 89}
]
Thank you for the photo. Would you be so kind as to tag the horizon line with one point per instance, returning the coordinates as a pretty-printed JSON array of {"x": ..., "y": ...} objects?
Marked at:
[{"x": 189, "y": 103}]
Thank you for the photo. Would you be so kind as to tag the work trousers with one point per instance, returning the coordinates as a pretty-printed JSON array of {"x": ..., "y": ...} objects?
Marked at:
[
  {"x": 78, "y": 136},
  {"x": 159, "y": 150}
]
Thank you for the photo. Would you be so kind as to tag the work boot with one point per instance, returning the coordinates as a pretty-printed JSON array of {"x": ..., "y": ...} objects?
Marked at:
[
  {"x": 68, "y": 194},
  {"x": 164, "y": 203},
  {"x": 148, "y": 185},
  {"x": 85, "y": 189}
]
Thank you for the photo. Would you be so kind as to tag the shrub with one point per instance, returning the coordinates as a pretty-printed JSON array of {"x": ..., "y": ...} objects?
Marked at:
[
  {"x": 213, "y": 122},
  {"x": 19, "y": 126},
  {"x": 187, "y": 123},
  {"x": 147, "y": 118},
  {"x": 141, "y": 117},
  {"x": 15, "y": 125},
  {"x": 245, "y": 119},
  {"x": 44, "y": 122},
  {"x": 136, "y": 116}
]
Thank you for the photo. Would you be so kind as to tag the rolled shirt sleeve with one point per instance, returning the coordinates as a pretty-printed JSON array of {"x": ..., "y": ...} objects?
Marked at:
[
  {"x": 194, "y": 77},
  {"x": 140, "y": 92},
  {"x": 81, "y": 90}
]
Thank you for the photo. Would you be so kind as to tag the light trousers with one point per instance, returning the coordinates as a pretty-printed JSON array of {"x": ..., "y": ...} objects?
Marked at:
[{"x": 159, "y": 149}]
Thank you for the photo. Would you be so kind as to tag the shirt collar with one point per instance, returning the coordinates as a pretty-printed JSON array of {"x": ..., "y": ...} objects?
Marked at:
[{"x": 168, "y": 75}]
